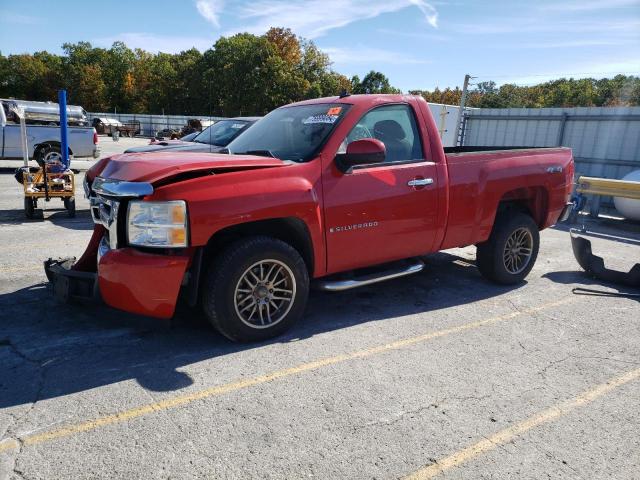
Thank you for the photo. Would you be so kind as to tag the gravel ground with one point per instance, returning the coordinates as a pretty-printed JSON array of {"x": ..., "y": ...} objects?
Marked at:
[{"x": 440, "y": 373}]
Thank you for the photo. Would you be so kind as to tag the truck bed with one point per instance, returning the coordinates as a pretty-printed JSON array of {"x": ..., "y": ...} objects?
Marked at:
[{"x": 480, "y": 177}]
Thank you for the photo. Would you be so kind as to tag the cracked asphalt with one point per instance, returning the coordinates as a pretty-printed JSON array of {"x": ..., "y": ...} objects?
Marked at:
[{"x": 379, "y": 382}]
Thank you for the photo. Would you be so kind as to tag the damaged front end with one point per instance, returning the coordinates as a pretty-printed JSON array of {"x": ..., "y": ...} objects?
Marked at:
[
  {"x": 127, "y": 278},
  {"x": 76, "y": 280}
]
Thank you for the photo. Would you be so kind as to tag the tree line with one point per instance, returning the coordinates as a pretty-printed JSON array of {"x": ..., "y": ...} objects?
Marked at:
[
  {"x": 247, "y": 74},
  {"x": 619, "y": 91}
]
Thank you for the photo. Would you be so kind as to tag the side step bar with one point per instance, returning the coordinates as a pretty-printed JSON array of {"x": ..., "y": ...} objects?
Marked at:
[{"x": 407, "y": 268}]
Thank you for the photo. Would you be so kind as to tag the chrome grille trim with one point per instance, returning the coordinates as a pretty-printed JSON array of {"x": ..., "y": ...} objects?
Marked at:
[
  {"x": 104, "y": 204},
  {"x": 119, "y": 188}
]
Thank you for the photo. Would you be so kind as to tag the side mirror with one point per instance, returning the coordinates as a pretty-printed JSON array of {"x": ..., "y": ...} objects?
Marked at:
[{"x": 361, "y": 152}]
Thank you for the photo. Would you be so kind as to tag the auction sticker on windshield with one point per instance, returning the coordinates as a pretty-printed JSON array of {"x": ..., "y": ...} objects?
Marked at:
[{"x": 313, "y": 119}]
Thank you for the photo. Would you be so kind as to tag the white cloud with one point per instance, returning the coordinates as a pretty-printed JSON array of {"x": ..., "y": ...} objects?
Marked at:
[
  {"x": 10, "y": 17},
  {"x": 507, "y": 25},
  {"x": 210, "y": 10},
  {"x": 156, "y": 43},
  {"x": 314, "y": 18},
  {"x": 589, "y": 5},
  {"x": 601, "y": 68},
  {"x": 361, "y": 54},
  {"x": 565, "y": 44}
]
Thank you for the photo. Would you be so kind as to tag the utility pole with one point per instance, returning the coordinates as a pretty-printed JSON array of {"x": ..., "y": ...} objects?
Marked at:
[{"x": 463, "y": 100}]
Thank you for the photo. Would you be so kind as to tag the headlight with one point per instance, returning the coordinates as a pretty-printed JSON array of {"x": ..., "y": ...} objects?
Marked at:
[{"x": 157, "y": 224}]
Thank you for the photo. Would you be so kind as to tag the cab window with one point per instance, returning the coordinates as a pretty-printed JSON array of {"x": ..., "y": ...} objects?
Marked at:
[{"x": 393, "y": 125}]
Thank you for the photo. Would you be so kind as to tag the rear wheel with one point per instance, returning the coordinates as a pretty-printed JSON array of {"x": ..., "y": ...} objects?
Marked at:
[
  {"x": 509, "y": 254},
  {"x": 48, "y": 154},
  {"x": 257, "y": 288}
]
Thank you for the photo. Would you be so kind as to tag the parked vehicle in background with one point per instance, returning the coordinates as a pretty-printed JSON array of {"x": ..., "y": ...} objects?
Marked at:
[
  {"x": 164, "y": 142},
  {"x": 106, "y": 126},
  {"x": 129, "y": 129},
  {"x": 171, "y": 133},
  {"x": 189, "y": 137},
  {"x": 43, "y": 136},
  {"x": 43, "y": 113},
  {"x": 212, "y": 139},
  {"x": 346, "y": 191}
]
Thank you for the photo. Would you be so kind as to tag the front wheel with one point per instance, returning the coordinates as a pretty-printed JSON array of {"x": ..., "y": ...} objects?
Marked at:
[
  {"x": 256, "y": 289},
  {"x": 509, "y": 254}
]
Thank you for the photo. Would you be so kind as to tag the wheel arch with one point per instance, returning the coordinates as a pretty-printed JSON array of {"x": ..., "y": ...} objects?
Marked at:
[
  {"x": 50, "y": 143},
  {"x": 290, "y": 230},
  {"x": 534, "y": 201}
]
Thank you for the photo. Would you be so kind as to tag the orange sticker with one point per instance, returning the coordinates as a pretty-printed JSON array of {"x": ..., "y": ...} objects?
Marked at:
[{"x": 334, "y": 111}]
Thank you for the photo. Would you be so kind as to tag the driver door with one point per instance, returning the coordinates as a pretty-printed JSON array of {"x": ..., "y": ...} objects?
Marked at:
[{"x": 385, "y": 211}]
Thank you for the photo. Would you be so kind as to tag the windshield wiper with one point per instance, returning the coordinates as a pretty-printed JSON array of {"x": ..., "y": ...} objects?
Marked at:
[{"x": 260, "y": 153}]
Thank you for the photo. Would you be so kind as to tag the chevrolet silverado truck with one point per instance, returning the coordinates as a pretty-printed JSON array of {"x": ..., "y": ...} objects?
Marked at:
[
  {"x": 339, "y": 192},
  {"x": 43, "y": 131}
]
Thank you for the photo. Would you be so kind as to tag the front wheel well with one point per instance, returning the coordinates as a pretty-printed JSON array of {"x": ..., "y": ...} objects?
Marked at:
[{"x": 290, "y": 230}]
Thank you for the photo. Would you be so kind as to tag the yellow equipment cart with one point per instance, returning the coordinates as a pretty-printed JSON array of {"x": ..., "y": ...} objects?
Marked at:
[
  {"x": 53, "y": 178},
  {"x": 57, "y": 185}
]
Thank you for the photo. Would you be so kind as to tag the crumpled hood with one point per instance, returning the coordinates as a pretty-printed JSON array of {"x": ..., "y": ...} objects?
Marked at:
[{"x": 153, "y": 167}]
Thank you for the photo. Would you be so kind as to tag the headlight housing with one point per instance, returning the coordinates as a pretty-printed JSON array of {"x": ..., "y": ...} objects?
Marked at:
[{"x": 157, "y": 224}]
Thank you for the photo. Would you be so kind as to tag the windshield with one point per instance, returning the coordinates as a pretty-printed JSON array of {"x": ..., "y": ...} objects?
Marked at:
[
  {"x": 291, "y": 133},
  {"x": 222, "y": 132}
]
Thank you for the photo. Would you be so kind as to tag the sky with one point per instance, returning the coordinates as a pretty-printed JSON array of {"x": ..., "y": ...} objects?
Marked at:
[{"x": 418, "y": 44}]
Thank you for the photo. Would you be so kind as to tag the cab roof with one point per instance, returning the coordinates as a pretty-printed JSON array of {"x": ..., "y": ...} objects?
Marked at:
[{"x": 360, "y": 99}]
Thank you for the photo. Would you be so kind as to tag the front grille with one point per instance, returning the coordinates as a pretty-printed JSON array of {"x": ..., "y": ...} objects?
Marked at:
[{"x": 104, "y": 212}]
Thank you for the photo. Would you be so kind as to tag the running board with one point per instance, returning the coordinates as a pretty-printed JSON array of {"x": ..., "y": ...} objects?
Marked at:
[{"x": 414, "y": 266}]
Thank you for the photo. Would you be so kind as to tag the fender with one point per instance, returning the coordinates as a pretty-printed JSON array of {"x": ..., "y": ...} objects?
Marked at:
[{"x": 224, "y": 200}]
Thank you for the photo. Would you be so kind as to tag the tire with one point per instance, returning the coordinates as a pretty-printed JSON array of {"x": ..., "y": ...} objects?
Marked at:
[
  {"x": 29, "y": 207},
  {"x": 44, "y": 154},
  {"x": 225, "y": 293},
  {"x": 70, "y": 205},
  {"x": 509, "y": 268}
]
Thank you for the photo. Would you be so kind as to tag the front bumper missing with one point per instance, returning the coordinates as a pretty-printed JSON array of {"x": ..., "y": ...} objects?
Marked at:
[
  {"x": 594, "y": 265},
  {"x": 71, "y": 285},
  {"x": 126, "y": 279}
]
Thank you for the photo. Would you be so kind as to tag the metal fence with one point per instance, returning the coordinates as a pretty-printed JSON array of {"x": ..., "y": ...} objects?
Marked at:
[
  {"x": 151, "y": 124},
  {"x": 605, "y": 140}
]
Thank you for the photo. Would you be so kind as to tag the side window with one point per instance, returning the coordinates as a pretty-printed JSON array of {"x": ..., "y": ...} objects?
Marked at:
[{"x": 393, "y": 125}]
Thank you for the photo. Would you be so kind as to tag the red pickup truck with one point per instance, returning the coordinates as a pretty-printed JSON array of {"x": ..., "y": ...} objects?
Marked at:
[{"x": 343, "y": 191}]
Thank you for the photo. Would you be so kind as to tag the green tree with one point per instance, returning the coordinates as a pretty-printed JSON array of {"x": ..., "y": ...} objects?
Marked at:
[{"x": 374, "y": 82}]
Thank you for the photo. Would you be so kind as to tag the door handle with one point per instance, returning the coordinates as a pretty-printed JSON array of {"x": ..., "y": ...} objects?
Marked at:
[{"x": 420, "y": 182}]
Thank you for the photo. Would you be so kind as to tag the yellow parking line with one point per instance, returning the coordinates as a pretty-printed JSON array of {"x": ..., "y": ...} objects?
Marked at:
[
  {"x": 269, "y": 377},
  {"x": 508, "y": 434}
]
